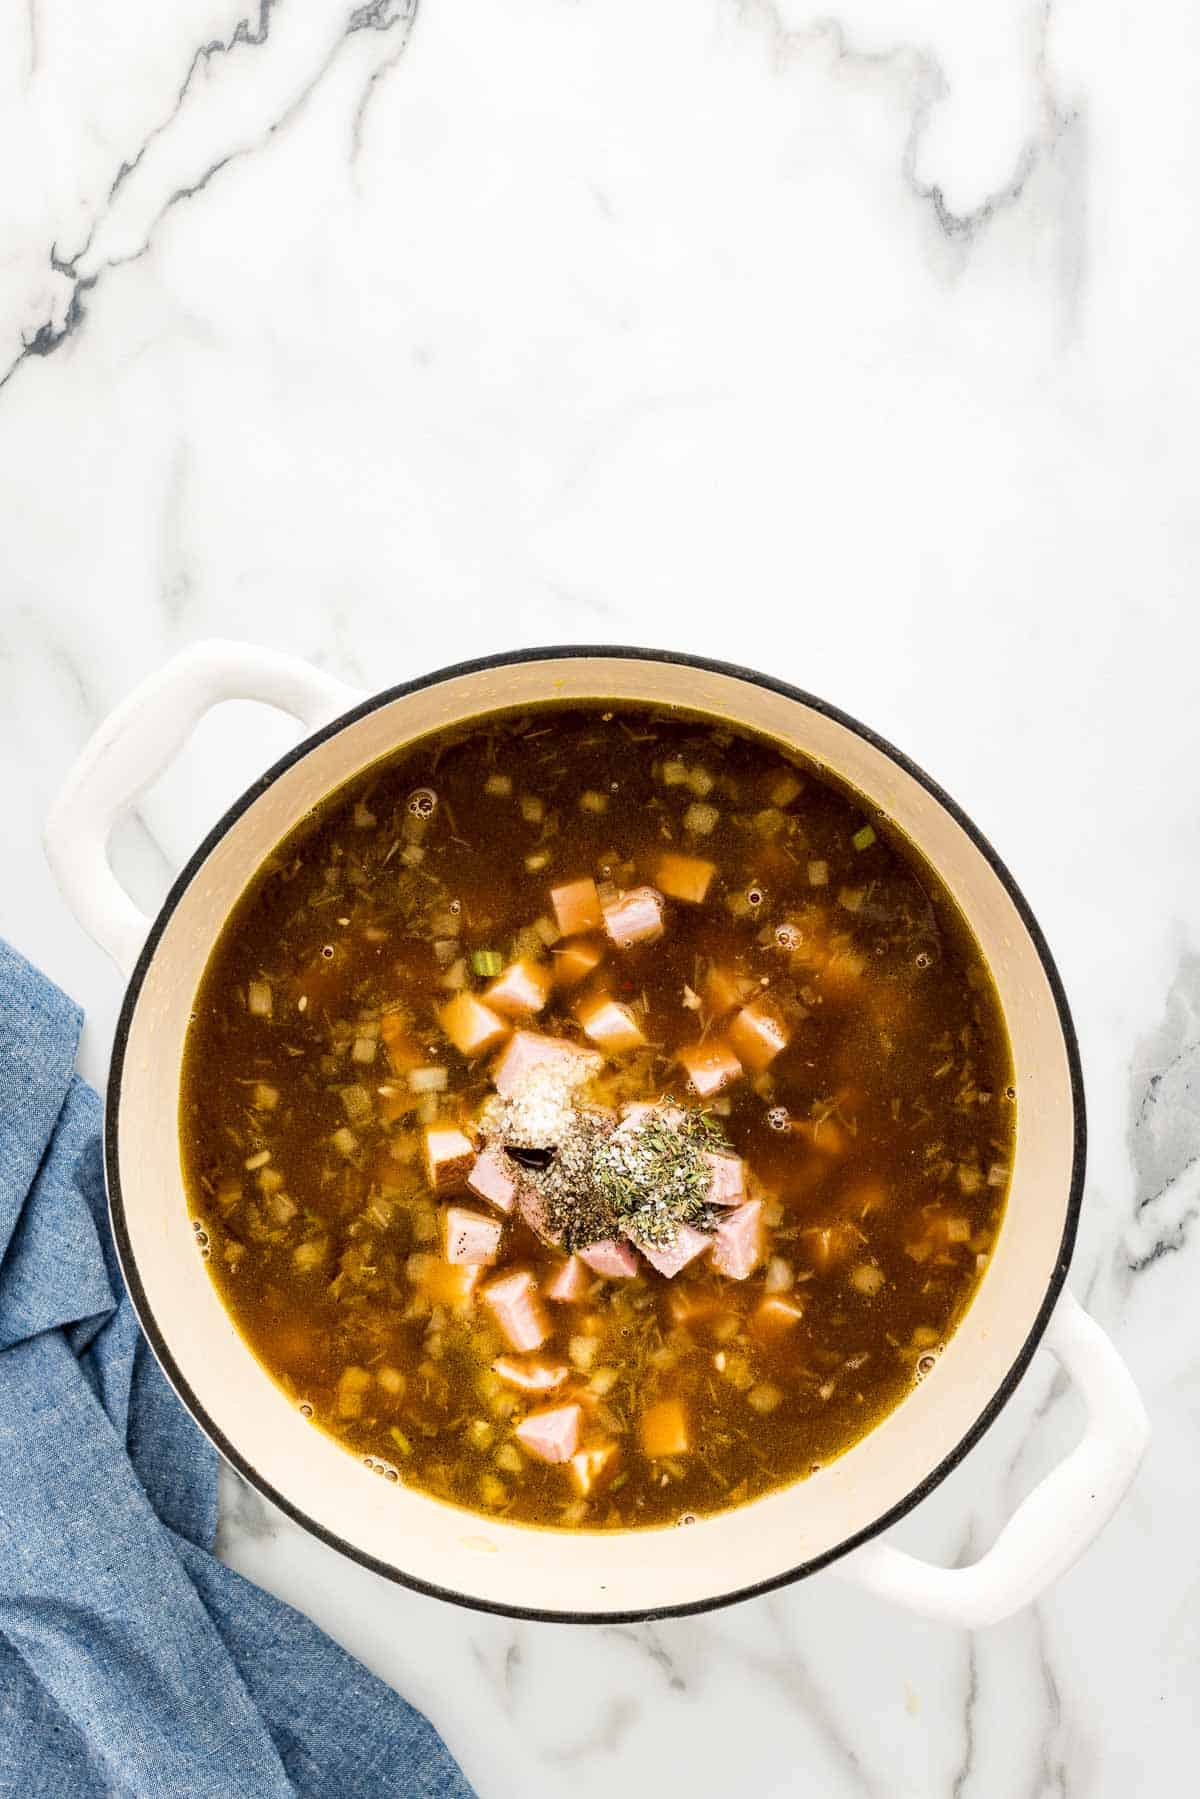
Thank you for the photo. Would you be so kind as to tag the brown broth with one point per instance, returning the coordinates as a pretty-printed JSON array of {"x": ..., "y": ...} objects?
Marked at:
[{"x": 883, "y": 1190}]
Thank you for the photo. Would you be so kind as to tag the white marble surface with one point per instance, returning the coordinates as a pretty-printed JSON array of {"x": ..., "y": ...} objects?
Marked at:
[{"x": 862, "y": 349}]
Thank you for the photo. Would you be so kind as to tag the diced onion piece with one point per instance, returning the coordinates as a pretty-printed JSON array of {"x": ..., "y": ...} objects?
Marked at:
[
  {"x": 764, "y": 1396},
  {"x": 259, "y": 999},
  {"x": 864, "y": 838},
  {"x": 533, "y": 810},
  {"x": 701, "y": 818},
  {"x": 700, "y": 782},
  {"x": 592, "y": 800},
  {"x": 546, "y": 929},
  {"x": 345, "y": 1142},
  {"x": 674, "y": 773},
  {"x": 498, "y": 785},
  {"x": 455, "y": 977},
  {"x": 266, "y": 1098},
  {"x": 851, "y": 898},
  {"x": 780, "y": 1275},
  {"x": 428, "y": 1080},
  {"x": 664, "y": 1429},
  {"x": 582, "y": 1352},
  {"x": 391, "y": 1380},
  {"x": 310, "y": 1254},
  {"x": 364, "y": 1049},
  {"x": 412, "y": 855},
  {"x": 259, "y": 1160},
  {"x": 535, "y": 863},
  {"x": 471, "y": 1026},
  {"x": 770, "y": 821},
  {"x": 357, "y": 1103},
  {"x": 686, "y": 878},
  {"x": 784, "y": 788},
  {"x": 867, "y": 1278}
]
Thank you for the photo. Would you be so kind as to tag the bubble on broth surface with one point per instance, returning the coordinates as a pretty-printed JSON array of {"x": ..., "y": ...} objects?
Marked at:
[
  {"x": 422, "y": 802},
  {"x": 788, "y": 936},
  {"x": 778, "y": 1119},
  {"x": 306, "y": 1410}
]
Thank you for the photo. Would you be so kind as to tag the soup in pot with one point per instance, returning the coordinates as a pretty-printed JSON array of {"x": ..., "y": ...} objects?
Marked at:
[{"x": 596, "y": 1117}]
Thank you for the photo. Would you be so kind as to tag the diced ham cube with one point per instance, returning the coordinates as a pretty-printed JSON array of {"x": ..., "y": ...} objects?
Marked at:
[
  {"x": 489, "y": 1176},
  {"x": 471, "y": 1026},
  {"x": 728, "y": 1187},
  {"x": 776, "y": 1314},
  {"x": 686, "y": 878},
  {"x": 610, "y": 1024},
  {"x": 570, "y": 1282},
  {"x": 551, "y": 1434},
  {"x": 710, "y": 1066},
  {"x": 758, "y": 1034},
  {"x": 530, "y": 1376},
  {"x": 522, "y": 989},
  {"x": 526, "y": 1050},
  {"x": 634, "y": 917},
  {"x": 575, "y": 961},
  {"x": 664, "y": 1429},
  {"x": 615, "y": 1261},
  {"x": 738, "y": 1244},
  {"x": 513, "y": 1302},
  {"x": 471, "y": 1238},
  {"x": 687, "y": 1246},
  {"x": 449, "y": 1154},
  {"x": 590, "y": 1468},
  {"x": 577, "y": 906}
]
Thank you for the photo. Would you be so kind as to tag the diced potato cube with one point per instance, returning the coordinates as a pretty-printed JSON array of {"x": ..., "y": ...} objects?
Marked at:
[
  {"x": 722, "y": 990},
  {"x": 522, "y": 989},
  {"x": 351, "y": 1388},
  {"x": 783, "y": 789},
  {"x": 577, "y": 906},
  {"x": 776, "y": 1314},
  {"x": 664, "y": 1429},
  {"x": 471, "y": 1026},
  {"x": 710, "y": 1066},
  {"x": 758, "y": 1034},
  {"x": 686, "y": 878},
  {"x": 701, "y": 818},
  {"x": 590, "y": 1468},
  {"x": 610, "y": 1024},
  {"x": 634, "y": 917},
  {"x": 576, "y": 960}
]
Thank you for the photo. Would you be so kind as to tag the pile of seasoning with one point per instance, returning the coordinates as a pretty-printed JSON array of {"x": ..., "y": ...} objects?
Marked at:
[{"x": 590, "y": 1178}]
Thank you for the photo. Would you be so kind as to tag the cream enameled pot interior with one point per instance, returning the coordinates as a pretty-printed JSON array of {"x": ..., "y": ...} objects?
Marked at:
[{"x": 574, "y": 1573}]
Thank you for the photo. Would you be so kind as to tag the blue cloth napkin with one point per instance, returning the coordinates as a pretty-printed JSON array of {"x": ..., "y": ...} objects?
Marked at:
[{"x": 131, "y": 1661}]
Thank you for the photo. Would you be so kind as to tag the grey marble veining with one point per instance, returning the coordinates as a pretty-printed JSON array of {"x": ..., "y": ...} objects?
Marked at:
[{"x": 860, "y": 347}]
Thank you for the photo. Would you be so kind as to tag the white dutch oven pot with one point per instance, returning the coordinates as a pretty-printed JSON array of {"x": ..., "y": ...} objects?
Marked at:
[{"x": 608, "y": 1575}]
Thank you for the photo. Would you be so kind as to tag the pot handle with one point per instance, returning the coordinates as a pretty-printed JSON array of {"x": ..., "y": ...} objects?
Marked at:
[
  {"x": 1056, "y": 1522},
  {"x": 133, "y": 746}
]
